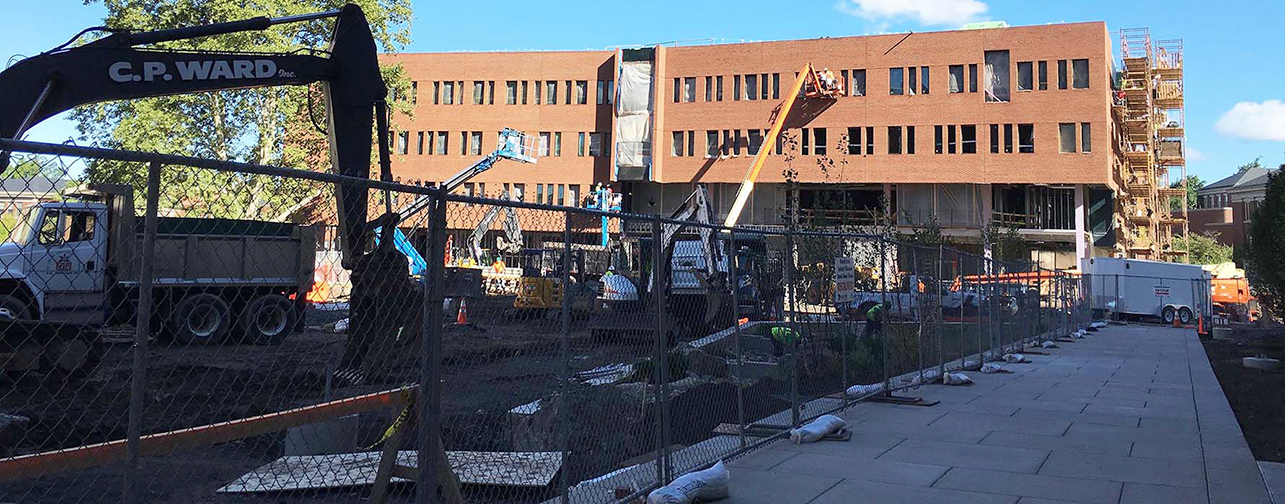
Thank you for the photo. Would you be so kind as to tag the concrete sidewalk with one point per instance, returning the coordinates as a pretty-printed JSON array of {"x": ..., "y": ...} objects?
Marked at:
[{"x": 1128, "y": 414}]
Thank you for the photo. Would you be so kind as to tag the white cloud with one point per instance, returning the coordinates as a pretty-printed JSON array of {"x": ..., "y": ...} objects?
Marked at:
[
  {"x": 1194, "y": 155},
  {"x": 925, "y": 12},
  {"x": 1254, "y": 121}
]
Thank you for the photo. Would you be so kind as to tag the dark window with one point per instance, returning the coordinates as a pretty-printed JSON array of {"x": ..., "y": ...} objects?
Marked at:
[
  {"x": 524, "y": 91},
  {"x": 896, "y": 81},
  {"x": 818, "y": 141},
  {"x": 580, "y": 144},
  {"x": 419, "y": 143},
  {"x": 414, "y": 93},
  {"x": 763, "y": 86},
  {"x": 1086, "y": 138},
  {"x": 1025, "y": 77},
  {"x": 751, "y": 87},
  {"x": 511, "y": 93},
  {"x": 937, "y": 139},
  {"x": 968, "y": 138},
  {"x": 756, "y": 141},
  {"x": 448, "y": 93},
  {"x": 442, "y": 140},
  {"x": 972, "y": 78},
  {"x": 923, "y": 80},
  {"x": 403, "y": 141},
  {"x": 950, "y": 139},
  {"x": 957, "y": 78},
  {"x": 709, "y": 89},
  {"x": 1008, "y": 138},
  {"x": 1061, "y": 74},
  {"x": 776, "y": 86},
  {"x": 711, "y": 143},
  {"x": 691, "y": 143},
  {"x": 477, "y": 92},
  {"x": 689, "y": 89},
  {"x": 894, "y": 140},
  {"x": 910, "y": 139},
  {"x": 568, "y": 93},
  {"x": 1044, "y": 75},
  {"x": 858, "y": 83},
  {"x": 854, "y": 140},
  {"x": 997, "y": 77},
  {"x": 870, "y": 140},
  {"x": 1026, "y": 138},
  {"x": 994, "y": 139},
  {"x": 736, "y": 87},
  {"x": 719, "y": 85},
  {"x": 678, "y": 89},
  {"x": 437, "y": 91},
  {"x": 912, "y": 82},
  {"x": 1080, "y": 72},
  {"x": 805, "y": 145},
  {"x": 490, "y": 92},
  {"x": 582, "y": 92}
]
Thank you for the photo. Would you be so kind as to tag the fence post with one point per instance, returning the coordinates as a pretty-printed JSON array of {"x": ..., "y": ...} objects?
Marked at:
[
  {"x": 963, "y": 302},
  {"x": 792, "y": 293},
  {"x": 940, "y": 315},
  {"x": 919, "y": 298},
  {"x": 738, "y": 373},
  {"x": 660, "y": 272},
  {"x": 142, "y": 332},
  {"x": 886, "y": 318},
  {"x": 429, "y": 441},
  {"x": 564, "y": 388}
]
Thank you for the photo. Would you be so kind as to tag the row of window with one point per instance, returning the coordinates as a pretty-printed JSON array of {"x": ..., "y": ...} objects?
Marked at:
[
  {"x": 947, "y": 139},
  {"x": 903, "y": 80},
  {"x": 545, "y": 194},
  {"x": 517, "y": 92},
  {"x": 438, "y": 143}
]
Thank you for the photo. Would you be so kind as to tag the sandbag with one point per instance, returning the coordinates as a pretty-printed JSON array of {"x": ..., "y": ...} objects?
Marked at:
[
  {"x": 815, "y": 430},
  {"x": 1015, "y": 358},
  {"x": 705, "y": 485},
  {"x": 993, "y": 368},
  {"x": 1048, "y": 344},
  {"x": 956, "y": 379},
  {"x": 864, "y": 390},
  {"x": 929, "y": 376},
  {"x": 1098, "y": 325}
]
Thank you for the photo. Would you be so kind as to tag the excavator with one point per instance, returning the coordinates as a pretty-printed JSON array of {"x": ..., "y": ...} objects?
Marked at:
[
  {"x": 698, "y": 287},
  {"x": 126, "y": 64}
]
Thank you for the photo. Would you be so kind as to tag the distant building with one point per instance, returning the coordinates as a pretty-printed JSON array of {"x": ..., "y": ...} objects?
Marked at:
[
  {"x": 18, "y": 195},
  {"x": 1227, "y": 206}
]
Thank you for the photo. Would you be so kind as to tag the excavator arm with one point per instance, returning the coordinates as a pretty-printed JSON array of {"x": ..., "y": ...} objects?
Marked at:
[
  {"x": 812, "y": 84},
  {"x": 115, "y": 68}
]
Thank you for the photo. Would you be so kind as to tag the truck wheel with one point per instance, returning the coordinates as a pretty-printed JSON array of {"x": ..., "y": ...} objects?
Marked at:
[
  {"x": 1167, "y": 315},
  {"x": 200, "y": 319},
  {"x": 267, "y": 320},
  {"x": 14, "y": 308},
  {"x": 1184, "y": 315}
]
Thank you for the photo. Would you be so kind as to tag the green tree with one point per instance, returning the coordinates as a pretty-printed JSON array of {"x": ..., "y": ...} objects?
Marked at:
[
  {"x": 33, "y": 165},
  {"x": 1265, "y": 252},
  {"x": 1256, "y": 163},
  {"x": 1203, "y": 248},
  {"x": 262, "y": 125},
  {"x": 1193, "y": 185}
]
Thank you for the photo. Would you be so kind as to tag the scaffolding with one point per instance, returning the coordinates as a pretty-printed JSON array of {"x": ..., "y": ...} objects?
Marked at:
[{"x": 1149, "y": 108}]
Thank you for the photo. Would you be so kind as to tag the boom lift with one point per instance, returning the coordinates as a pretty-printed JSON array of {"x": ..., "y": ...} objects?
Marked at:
[{"x": 813, "y": 84}]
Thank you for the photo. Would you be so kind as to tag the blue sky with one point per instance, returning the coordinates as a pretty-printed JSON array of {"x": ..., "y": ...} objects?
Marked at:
[{"x": 1235, "y": 61}]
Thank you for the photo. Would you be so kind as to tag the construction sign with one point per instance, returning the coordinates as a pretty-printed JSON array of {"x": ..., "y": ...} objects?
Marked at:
[{"x": 845, "y": 277}]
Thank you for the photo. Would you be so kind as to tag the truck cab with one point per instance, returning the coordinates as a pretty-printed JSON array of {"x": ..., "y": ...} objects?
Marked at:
[{"x": 54, "y": 263}]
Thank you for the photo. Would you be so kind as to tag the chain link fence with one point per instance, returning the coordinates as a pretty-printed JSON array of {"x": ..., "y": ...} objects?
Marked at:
[{"x": 201, "y": 337}]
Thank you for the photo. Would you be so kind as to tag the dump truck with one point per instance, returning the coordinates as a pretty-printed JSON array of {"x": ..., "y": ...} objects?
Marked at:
[{"x": 77, "y": 262}]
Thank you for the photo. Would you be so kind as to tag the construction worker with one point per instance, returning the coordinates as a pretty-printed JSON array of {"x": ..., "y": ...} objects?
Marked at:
[
  {"x": 874, "y": 320},
  {"x": 783, "y": 337}
]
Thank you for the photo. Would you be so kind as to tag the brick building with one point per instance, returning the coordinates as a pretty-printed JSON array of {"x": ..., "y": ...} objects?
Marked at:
[
  {"x": 1226, "y": 207},
  {"x": 1017, "y": 126}
]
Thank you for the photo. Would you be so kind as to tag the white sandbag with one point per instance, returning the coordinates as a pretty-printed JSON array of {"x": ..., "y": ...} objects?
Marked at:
[
  {"x": 864, "y": 390},
  {"x": 1015, "y": 358},
  {"x": 1079, "y": 334},
  {"x": 705, "y": 485},
  {"x": 1098, "y": 325},
  {"x": 972, "y": 363},
  {"x": 815, "y": 430},
  {"x": 1048, "y": 344},
  {"x": 956, "y": 379},
  {"x": 929, "y": 376},
  {"x": 992, "y": 368}
]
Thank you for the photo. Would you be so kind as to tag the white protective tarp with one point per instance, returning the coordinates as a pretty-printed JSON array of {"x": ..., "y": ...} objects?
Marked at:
[
  {"x": 915, "y": 203},
  {"x": 633, "y": 114},
  {"x": 704, "y": 485}
]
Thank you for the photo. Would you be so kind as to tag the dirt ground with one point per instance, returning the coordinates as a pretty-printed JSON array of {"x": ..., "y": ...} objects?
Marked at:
[{"x": 1254, "y": 395}]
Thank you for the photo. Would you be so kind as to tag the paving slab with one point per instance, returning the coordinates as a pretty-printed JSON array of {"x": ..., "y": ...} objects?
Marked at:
[
  {"x": 1142, "y": 493},
  {"x": 1031, "y": 485},
  {"x": 1125, "y": 469},
  {"x": 864, "y": 491},
  {"x": 1239, "y": 487},
  {"x": 1001, "y": 458},
  {"x": 764, "y": 487},
  {"x": 1274, "y": 476},
  {"x": 883, "y": 471},
  {"x": 1055, "y": 443}
]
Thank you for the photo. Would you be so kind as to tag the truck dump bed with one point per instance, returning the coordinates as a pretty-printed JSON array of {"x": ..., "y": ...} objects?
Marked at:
[{"x": 227, "y": 252}]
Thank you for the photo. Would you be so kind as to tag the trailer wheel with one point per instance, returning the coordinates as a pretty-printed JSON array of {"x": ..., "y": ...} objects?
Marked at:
[
  {"x": 14, "y": 308},
  {"x": 1168, "y": 314},
  {"x": 267, "y": 320},
  {"x": 200, "y": 319},
  {"x": 1184, "y": 315}
]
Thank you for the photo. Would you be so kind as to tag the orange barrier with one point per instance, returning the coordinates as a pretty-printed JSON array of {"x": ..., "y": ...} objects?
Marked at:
[{"x": 96, "y": 455}]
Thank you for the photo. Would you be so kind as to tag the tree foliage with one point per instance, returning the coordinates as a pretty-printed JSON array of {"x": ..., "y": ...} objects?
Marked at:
[
  {"x": 1203, "y": 248},
  {"x": 259, "y": 125},
  {"x": 1193, "y": 185},
  {"x": 1265, "y": 253},
  {"x": 28, "y": 166},
  {"x": 1256, "y": 163}
]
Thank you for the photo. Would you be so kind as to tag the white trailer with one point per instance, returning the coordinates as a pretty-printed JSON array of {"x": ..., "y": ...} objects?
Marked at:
[{"x": 1141, "y": 288}]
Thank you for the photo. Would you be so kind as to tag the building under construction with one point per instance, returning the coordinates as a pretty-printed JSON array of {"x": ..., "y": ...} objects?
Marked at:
[{"x": 1040, "y": 129}]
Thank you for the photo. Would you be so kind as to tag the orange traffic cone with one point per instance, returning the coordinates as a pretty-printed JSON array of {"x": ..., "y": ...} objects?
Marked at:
[
  {"x": 1176, "y": 323},
  {"x": 462, "y": 316},
  {"x": 1200, "y": 325}
]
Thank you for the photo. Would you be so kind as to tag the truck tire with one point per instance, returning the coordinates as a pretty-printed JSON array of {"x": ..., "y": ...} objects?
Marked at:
[
  {"x": 200, "y": 319},
  {"x": 1167, "y": 315},
  {"x": 14, "y": 308},
  {"x": 1184, "y": 315},
  {"x": 267, "y": 320}
]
